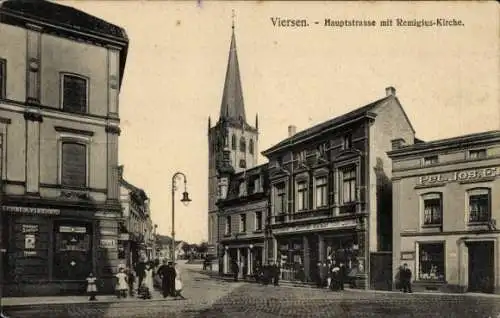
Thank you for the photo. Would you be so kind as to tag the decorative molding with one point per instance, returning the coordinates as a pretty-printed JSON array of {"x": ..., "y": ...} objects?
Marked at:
[
  {"x": 113, "y": 82},
  {"x": 31, "y": 116},
  {"x": 75, "y": 195},
  {"x": 113, "y": 130},
  {"x": 34, "y": 64},
  {"x": 74, "y": 131},
  {"x": 58, "y": 186}
]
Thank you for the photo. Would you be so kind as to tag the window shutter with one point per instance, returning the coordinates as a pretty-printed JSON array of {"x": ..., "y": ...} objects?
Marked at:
[{"x": 74, "y": 165}]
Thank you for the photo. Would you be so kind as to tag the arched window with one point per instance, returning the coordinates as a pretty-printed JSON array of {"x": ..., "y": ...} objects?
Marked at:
[
  {"x": 243, "y": 144},
  {"x": 233, "y": 142},
  {"x": 250, "y": 147}
]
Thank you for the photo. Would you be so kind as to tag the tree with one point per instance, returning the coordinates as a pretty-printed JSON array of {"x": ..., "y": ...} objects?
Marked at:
[{"x": 203, "y": 247}]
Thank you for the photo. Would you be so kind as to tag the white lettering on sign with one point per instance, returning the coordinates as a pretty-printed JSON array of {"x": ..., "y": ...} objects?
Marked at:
[
  {"x": 313, "y": 227},
  {"x": 30, "y": 228},
  {"x": 30, "y": 210},
  {"x": 465, "y": 175},
  {"x": 30, "y": 253},
  {"x": 72, "y": 229},
  {"x": 108, "y": 243}
]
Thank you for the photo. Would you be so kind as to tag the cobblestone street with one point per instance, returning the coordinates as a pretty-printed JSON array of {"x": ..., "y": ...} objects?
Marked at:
[{"x": 212, "y": 298}]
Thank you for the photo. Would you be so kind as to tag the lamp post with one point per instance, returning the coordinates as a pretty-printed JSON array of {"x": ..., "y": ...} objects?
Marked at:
[
  {"x": 185, "y": 200},
  {"x": 154, "y": 242}
]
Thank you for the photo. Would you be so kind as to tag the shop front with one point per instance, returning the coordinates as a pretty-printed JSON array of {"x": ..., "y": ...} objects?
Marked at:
[
  {"x": 299, "y": 249},
  {"x": 248, "y": 256},
  {"x": 51, "y": 251}
]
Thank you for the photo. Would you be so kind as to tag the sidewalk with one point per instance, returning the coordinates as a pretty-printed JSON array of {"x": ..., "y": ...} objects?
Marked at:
[{"x": 290, "y": 284}]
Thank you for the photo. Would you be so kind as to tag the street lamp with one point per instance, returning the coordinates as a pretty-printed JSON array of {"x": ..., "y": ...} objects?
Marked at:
[{"x": 185, "y": 200}]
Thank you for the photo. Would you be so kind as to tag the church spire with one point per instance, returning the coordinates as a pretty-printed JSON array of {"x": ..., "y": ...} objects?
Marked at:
[{"x": 232, "y": 106}]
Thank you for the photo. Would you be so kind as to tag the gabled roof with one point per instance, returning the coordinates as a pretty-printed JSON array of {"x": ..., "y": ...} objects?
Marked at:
[
  {"x": 358, "y": 112},
  {"x": 232, "y": 106},
  {"x": 19, "y": 12}
]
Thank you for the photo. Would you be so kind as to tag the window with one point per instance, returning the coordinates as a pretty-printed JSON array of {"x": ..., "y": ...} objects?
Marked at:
[
  {"x": 74, "y": 164},
  {"x": 301, "y": 196},
  {"x": 233, "y": 142},
  {"x": 349, "y": 185},
  {"x": 347, "y": 141},
  {"x": 243, "y": 222},
  {"x": 243, "y": 144},
  {"x": 321, "y": 192},
  {"x": 479, "y": 205},
  {"x": 477, "y": 154},
  {"x": 280, "y": 199},
  {"x": 243, "y": 163},
  {"x": 74, "y": 97},
  {"x": 3, "y": 78},
  {"x": 228, "y": 225},
  {"x": 431, "y": 261},
  {"x": 258, "y": 221},
  {"x": 250, "y": 147},
  {"x": 431, "y": 160},
  {"x": 301, "y": 157},
  {"x": 433, "y": 214}
]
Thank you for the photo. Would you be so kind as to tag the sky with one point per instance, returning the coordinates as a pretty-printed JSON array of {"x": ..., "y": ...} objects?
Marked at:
[{"x": 445, "y": 77}]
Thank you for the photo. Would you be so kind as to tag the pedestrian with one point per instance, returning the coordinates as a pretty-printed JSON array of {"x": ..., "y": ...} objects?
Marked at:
[
  {"x": 178, "y": 282},
  {"x": 334, "y": 285},
  {"x": 342, "y": 275},
  {"x": 163, "y": 273},
  {"x": 329, "y": 275},
  {"x": 235, "y": 270},
  {"x": 140, "y": 272},
  {"x": 276, "y": 274},
  {"x": 399, "y": 284},
  {"x": 266, "y": 274},
  {"x": 324, "y": 274},
  {"x": 91, "y": 287},
  {"x": 147, "y": 282},
  {"x": 121, "y": 285},
  {"x": 405, "y": 277},
  {"x": 130, "y": 281}
]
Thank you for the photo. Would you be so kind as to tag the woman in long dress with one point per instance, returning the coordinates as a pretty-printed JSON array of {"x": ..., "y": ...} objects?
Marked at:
[
  {"x": 178, "y": 282},
  {"x": 148, "y": 282}
]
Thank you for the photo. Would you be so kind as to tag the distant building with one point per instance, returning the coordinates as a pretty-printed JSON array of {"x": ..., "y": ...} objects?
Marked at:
[
  {"x": 163, "y": 247},
  {"x": 59, "y": 128},
  {"x": 135, "y": 241},
  {"x": 331, "y": 194},
  {"x": 446, "y": 204}
]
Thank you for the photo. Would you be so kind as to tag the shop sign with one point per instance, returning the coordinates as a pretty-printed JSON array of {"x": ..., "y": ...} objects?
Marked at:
[
  {"x": 124, "y": 237},
  {"x": 72, "y": 229},
  {"x": 407, "y": 256},
  {"x": 30, "y": 228},
  {"x": 108, "y": 243},
  {"x": 316, "y": 227},
  {"x": 30, "y": 253},
  {"x": 29, "y": 241},
  {"x": 460, "y": 176},
  {"x": 31, "y": 210}
]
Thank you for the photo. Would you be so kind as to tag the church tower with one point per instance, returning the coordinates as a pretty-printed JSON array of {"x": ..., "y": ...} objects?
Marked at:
[{"x": 231, "y": 139}]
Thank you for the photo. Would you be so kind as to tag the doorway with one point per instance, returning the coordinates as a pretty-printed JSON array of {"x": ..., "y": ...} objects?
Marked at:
[{"x": 481, "y": 267}]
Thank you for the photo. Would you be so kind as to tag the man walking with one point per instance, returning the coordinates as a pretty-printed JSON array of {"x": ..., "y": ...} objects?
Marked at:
[
  {"x": 164, "y": 273},
  {"x": 405, "y": 277}
]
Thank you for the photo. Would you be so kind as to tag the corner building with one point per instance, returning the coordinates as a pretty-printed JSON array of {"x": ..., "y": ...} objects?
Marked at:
[
  {"x": 446, "y": 199},
  {"x": 59, "y": 128},
  {"x": 330, "y": 194}
]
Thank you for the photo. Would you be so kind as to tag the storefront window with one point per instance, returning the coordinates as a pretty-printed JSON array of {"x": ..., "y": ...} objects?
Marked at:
[
  {"x": 291, "y": 257},
  {"x": 72, "y": 257},
  {"x": 431, "y": 261}
]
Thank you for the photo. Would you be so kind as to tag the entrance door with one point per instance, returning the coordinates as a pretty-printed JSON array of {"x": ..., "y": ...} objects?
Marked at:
[
  {"x": 313, "y": 257},
  {"x": 481, "y": 267}
]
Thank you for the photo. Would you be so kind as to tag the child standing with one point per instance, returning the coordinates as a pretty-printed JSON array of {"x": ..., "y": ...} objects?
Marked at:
[
  {"x": 91, "y": 286},
  {"x": 121, "y": 285}
]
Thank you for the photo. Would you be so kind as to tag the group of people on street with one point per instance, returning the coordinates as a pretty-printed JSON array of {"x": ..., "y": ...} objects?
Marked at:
[
  {"x": 142, "y": 280},
  {"x": 332, "y": 275}
]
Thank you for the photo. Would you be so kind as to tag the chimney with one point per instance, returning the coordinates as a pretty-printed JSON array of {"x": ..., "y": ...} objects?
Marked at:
[
  {"x": 397, "y": 143},
  {"x": 291, "y": 130},
  {"x": 390, "y": 91}
]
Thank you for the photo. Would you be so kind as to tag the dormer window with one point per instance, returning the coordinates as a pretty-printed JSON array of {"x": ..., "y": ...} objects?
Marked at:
[
  {"x": 477, "y": 153},
  {"x": 347, "y": 142},
  {"x": 431, "y": 160}
]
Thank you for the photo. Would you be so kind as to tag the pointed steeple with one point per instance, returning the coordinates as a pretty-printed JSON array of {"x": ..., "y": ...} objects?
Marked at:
[{"x": 232, "y": 106}]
